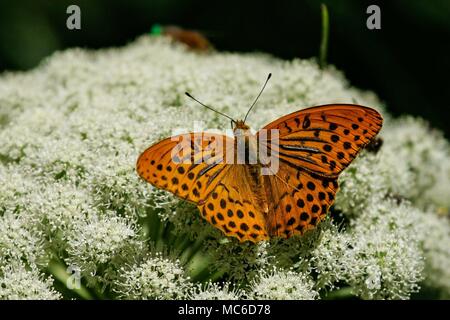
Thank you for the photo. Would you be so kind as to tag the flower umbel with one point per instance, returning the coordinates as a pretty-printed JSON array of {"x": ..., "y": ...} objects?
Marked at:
[{"x": 69, "y": 191}]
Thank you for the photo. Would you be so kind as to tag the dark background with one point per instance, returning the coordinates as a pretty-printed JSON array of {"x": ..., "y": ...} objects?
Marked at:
[{"x": 406, "y": 62}]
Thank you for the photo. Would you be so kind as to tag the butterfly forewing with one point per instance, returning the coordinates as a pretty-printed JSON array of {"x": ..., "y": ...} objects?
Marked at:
[
  {"x": 187, "y": 165},
  {"x": 325, "y": 139}
]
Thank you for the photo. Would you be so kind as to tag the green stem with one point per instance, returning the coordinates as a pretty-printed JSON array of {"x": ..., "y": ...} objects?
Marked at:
[
  {"x": 325, "y": 33},
  {"x": 58, "y": 270},
  {"x": 342, "y": 293},
  {"x": 198, "y": 268},
  {"x": 194, "y": 248}
]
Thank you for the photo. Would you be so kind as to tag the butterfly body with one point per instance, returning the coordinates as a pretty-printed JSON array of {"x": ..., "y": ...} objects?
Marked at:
[{"x": 236, "y": 186}]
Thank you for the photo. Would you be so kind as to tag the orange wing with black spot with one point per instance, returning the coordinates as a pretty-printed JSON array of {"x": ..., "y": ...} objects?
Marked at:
[
  {"x": 325, "y": 139},
  {"x": 315, "y": 145},
  {"x": 297, "y": 200},
  {"x": 195, "y": 167},
  {"x": 235, "y": 208},
  {"x": 189, "y": 165}
]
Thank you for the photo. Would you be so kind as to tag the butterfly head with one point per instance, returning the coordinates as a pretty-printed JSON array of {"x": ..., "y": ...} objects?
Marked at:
[{"x": 241, "y": 128}]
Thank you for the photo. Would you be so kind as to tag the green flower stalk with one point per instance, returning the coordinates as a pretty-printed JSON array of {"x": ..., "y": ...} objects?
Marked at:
[{"x": 70, "y": 199}]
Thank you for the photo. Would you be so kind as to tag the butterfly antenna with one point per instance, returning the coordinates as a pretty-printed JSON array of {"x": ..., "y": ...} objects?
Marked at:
[
  {"x": 254, "y": 102},
  {"x": 208, "y": 107}
]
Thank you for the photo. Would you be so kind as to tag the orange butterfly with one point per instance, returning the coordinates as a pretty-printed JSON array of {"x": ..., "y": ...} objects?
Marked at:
[{"x": 314, "y": 145}]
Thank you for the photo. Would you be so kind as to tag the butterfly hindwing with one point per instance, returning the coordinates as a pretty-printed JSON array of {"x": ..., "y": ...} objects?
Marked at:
[
  {"x": 234, "y": 207},
  {"x": 298, "y": 201}
]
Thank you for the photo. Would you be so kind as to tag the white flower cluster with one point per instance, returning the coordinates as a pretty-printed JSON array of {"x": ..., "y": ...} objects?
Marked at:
[
  {"x": 283, "y": 285},
  {"x": 72, "y": 129},
  {"x": 154, "y": 278},
  {"x": 18, "y": 282},
  {"x": 215, "y": 291}
]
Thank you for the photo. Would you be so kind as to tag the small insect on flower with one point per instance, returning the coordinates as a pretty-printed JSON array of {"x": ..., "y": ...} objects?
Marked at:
[
  {"x": 193, "y": 39},
  {"x": 251, "y": 200},
  {"x": 375, "y": 145}
]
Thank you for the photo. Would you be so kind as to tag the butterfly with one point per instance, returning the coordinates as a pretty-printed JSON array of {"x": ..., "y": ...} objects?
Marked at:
[{"x": 313, "y": 147}]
